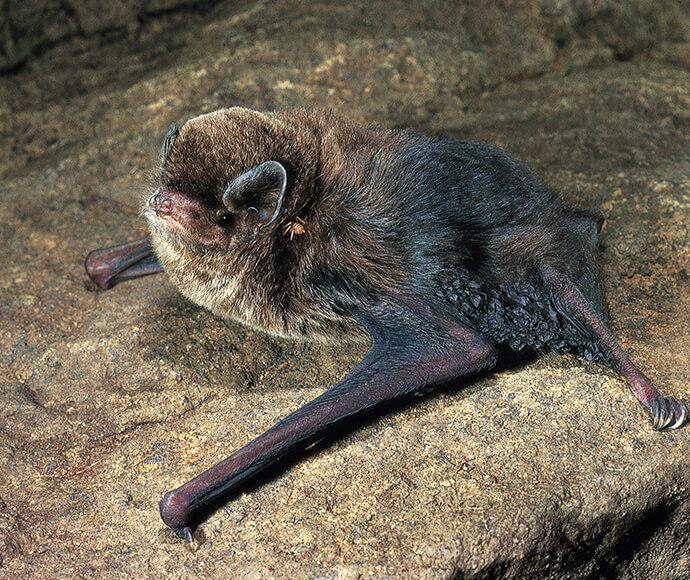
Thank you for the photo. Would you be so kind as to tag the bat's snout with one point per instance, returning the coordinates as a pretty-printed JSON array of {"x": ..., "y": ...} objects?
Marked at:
[{"x": 162, "y": 202}]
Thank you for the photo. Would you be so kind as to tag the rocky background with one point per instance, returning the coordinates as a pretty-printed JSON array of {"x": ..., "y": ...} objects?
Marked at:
[{"x": 109, "y": 399}]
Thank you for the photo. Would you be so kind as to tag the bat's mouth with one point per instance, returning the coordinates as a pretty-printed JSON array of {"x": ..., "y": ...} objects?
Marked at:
[{"x": 110, "y": 266}]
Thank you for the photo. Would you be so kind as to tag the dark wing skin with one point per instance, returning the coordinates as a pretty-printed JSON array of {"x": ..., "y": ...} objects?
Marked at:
[{"x": 412, "y": 346}]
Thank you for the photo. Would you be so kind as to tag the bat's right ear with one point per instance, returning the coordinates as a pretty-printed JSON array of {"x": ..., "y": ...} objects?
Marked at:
[{"x": 259, "y": 192}]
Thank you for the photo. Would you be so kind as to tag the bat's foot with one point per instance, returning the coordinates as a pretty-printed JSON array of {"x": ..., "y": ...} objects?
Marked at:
[{"x": 668, "y": 413}]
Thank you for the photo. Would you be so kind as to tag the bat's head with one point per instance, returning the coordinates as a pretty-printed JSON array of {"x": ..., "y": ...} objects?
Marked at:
[
  {"x": 216, "y": 185},
  {"x": 214, "y": 211},
  {"x": 224, "y": 217}
]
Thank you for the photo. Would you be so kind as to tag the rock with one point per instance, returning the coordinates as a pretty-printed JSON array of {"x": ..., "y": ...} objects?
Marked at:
[
  {"x": 28, "y": 29},
  {"x": 110, "y": 399}
]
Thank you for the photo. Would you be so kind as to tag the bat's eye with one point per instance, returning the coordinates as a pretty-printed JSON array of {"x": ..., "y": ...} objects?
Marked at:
[{"x": 224, "y": 218}]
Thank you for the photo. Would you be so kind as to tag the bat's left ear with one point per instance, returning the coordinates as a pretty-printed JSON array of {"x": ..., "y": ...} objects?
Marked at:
[
  {"x": 258, "y": 193},
  {"x": 173, "y": 132}
]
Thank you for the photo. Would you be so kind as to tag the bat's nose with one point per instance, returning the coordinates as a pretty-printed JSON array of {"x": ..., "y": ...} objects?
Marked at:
[{"x": 162, "y": 203}]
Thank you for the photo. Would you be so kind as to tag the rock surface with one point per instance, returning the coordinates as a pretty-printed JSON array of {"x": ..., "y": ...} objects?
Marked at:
[{"x": 107, "y": 400}]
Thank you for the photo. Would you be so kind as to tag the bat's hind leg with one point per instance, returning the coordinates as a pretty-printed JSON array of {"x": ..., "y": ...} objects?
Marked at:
[{"x": 666, "y": 412}]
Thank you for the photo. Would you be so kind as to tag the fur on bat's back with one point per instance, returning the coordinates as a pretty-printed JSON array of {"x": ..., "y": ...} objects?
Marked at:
[
  {"x": 383, "y": 211},
  {"x": 475, "y": 227}
]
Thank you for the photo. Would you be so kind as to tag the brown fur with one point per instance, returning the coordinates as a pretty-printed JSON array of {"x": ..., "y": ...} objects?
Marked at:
[
  {"x": 381, "y": 211},
  {"x": 258, "y": 277}
]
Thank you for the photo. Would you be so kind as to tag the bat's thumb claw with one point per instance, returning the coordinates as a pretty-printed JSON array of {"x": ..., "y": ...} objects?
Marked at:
[{"x": 185, "y": 533}]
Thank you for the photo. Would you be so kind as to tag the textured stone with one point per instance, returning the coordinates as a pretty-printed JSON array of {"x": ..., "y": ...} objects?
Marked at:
[{"x": 107, "y": 400}]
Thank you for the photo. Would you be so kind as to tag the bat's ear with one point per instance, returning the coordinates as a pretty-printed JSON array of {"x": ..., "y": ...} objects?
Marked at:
[
  {"x": 258, "y": 192},
  {"x": 173, "y": 132}
]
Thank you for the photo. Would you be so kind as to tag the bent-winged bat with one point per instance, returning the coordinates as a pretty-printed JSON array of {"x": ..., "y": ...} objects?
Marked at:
[{"x": 448, "y": 254}]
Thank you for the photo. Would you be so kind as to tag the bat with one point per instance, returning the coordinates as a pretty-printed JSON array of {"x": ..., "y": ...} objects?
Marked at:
[{"x": 450, "y": 255}]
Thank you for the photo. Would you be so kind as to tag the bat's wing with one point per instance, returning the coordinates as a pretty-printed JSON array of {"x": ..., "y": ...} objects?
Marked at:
[
  {"x": 109, "y": 266},
  {"x": 413, "y": 345}
]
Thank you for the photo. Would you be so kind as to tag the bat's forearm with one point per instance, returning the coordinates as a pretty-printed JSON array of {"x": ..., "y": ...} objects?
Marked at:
[
  {"x": 403, "y": 358},
  {"x": 181, "y": 507}
]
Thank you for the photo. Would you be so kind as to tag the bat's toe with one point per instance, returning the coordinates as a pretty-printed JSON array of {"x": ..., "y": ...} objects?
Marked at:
[{"x": 668, "y": 413}]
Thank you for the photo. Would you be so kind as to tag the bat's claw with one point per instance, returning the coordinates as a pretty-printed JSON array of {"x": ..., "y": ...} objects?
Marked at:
[
  {"x": 184, "y": 533},
  {"x": 668, "y": 413}
]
